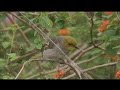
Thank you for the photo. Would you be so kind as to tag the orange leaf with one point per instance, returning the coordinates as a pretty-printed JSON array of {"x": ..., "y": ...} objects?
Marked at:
[
  {"x": 103, "y": 26},
  {"x": 108, "y": 13},
  {"x": 64, "y": 32},
  {"x": 61, "y": 73},
  {"x": 105, "y": 22},
  {"x": 117, "y": 75},
  {"x": 56, "y": 76}
]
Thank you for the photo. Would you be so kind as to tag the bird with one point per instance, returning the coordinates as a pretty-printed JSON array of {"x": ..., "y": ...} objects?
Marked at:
[{"x": 51, "y": 52}]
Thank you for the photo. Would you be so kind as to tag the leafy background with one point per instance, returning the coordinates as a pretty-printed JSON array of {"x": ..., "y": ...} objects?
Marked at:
[{"x": 14, "y": 45}]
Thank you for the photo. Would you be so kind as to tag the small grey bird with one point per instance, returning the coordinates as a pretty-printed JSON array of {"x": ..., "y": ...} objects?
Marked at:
[{"x": 65, "y": 43}]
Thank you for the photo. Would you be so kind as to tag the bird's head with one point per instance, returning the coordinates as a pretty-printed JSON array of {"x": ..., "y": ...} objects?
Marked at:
[{"x": 70, "y": 43}]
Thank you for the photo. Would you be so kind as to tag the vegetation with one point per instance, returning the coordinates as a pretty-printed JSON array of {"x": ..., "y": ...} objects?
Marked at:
[{"x": 23, "y": 35}]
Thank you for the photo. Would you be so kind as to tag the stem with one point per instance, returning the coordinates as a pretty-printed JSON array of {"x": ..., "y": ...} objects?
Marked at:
[{"x": 91, "y": 34}]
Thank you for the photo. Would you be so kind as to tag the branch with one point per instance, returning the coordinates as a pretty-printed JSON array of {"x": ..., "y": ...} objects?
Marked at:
[
  {"x": 31, "y": 25},
  {"x": 82, "y": 50},
  {"x": 91, "y": 14},
  {"x": 26, "y": 31},
  {"x": 22, "y": 69},
  {"x": 28, "y": 54},
  {"x": 100, "y": 66},
  {"x": 70, "y": 76},
  {"x": 81, "y": 53},
  {"x": 21, "y": 32},
  {"x": 81, "y": 62},
  {"x": 92, "y": 68},
  {"x": 85, "y": 61},
  {"x": 78, "y": 51},
  {"x": 118, "y": 17}
]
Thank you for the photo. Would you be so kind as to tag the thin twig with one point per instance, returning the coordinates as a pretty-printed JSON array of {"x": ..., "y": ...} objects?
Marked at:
[
  {"x": 24, "y": 36},
  {"x": 70, "y": 76},
  {"x": 31, "y": 77},
  {"x": 92, "y": 68},
  {"x": 22, "y": 68},
  {"x": 26, "y": 31},
  {"x": 28, "y": 54},
  {"x": 85, "y": 61},
  {"x": 13, "y": 36},
  {"x": 78, "y": 51},
  {"x": 91, "y": 32},
  {"x": 31, "y": 25},
  {"x": 100, "y": 66},
  {"x": 30, "y": 60},
  {"x": 81, "y": 62},
  {"x": 84, "y": 51}
]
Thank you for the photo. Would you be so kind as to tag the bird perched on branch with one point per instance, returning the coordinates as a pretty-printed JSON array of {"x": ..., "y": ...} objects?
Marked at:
[
  {"x": 65, "y": 43},
  {"x": 51, "y": 53}
]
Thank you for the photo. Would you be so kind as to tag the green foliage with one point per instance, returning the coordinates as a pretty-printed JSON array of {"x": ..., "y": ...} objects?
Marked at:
[
  {"x": 6, "y": 44},
  {"x": 13, "y": 43},
  {"x": 37, "y": 43},
  {"x": 110, "y": 50},
  {"x": 12, "y": 56},
  {"x": 44, "y": 21}
]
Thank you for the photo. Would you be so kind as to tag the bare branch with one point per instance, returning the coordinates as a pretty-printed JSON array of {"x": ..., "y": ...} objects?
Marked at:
[
  {"x": 100, "y": 66},
  {"x": 70, "y": 76},
  {"x": 85, "y": 61},
  {"x": 22, "y": 69},
  {"x": 81, "y": 53},
  {"x": 92, "y": 68}
]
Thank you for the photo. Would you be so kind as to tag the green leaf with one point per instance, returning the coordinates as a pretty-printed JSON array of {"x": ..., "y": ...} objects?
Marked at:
[
  {"x": 109, "y": 33},
  {"x": 98, "y": 15},
  {"x": 95, "y": 52},
  {"x": 116, "y": 47},
  {"x": 12, "y": 56},
  {"x": 38, "y": 46},
  {"x": 114, "y": 38},
  {"x": 36, "y": 40},
  {"x": 111, "y": 50},
  {"x": 5, "y": 44},
  {"x": 37, "y": 43},
  {"x": 35, "y": 33},
  {"x": 45, "y": 21},
  {"x": 2, "y": 62}
]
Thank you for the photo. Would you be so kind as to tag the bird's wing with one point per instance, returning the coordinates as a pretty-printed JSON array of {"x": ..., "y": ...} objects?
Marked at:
[{"x": 52, "y": 54}]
